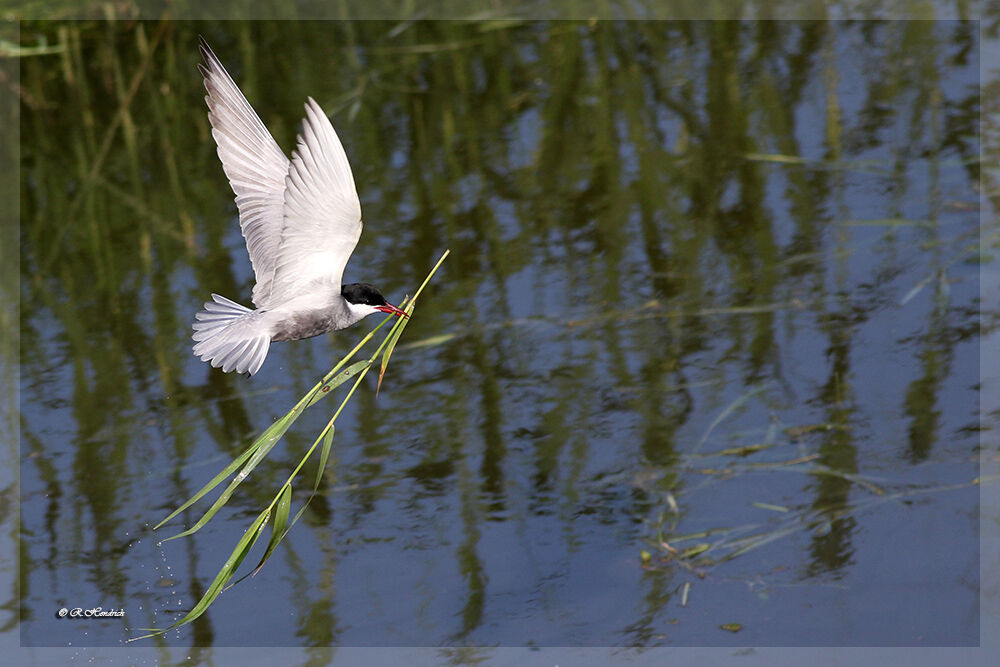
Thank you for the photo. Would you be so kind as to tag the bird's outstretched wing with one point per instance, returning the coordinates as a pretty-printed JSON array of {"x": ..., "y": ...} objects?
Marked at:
[
  {"x": 255, "y": 166},
  {"x": 322, "y": 213}
]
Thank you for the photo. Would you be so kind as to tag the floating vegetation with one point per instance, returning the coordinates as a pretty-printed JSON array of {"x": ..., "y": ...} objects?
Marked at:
[
  {"x": 278, "y": 511},
  {"x": 698, "y": 552}
]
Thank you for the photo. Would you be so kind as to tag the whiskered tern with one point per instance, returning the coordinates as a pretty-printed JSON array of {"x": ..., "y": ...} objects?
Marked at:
[{"x": 301, "y": 219}]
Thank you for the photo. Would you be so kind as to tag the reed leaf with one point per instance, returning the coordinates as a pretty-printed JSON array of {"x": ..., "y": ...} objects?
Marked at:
[
  {"x": 225, "y": 574},
  {"x": 259, "y": 450},
  {"x": 280, "y": 524},
  {"x": 398, "y": 329},
  {"x": 263, "y": 444},
  {"x": 733, "y": 407},
  {"x": 340, "y": 379},
  {"x": 751, "y": 543},
  {"x": 393, "y": 337},
  {"x": 228, "y": 470},
  {"x": 323, "y": 456}
]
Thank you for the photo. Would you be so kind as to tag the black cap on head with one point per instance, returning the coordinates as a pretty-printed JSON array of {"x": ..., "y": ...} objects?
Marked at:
[{"x": 363, "y": 294}]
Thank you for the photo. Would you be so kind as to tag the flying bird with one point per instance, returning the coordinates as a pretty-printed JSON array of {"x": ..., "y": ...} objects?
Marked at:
[{"x": 301, "y": 219}]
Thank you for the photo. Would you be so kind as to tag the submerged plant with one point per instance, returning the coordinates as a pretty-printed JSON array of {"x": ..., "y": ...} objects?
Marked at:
[
  {"x": 278, "y": 512},
  {"x": 673, "y": 544}
]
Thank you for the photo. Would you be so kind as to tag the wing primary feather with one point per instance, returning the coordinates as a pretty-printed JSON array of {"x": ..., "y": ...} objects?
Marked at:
[{"x": 254, "y": 164}]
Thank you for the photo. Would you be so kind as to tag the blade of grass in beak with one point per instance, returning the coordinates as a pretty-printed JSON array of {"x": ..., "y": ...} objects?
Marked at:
[
  {"x": 258, "y": 449},
  {"x": 327, "y": 437},
  {"x": 428, "y": 278},
  {"x": 401, "y": 324},
  {"x": 281, "y": 525},
  {"x": 390, "y": 344},
  {"x": 284, "y": 502},
  {"x": 280, "y": 506}
]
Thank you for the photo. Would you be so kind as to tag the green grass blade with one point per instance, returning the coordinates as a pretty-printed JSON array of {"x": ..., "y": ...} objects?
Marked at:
[
  {"x": 226, "y": 472},
  {"x": 323, "y": 456},
  {"x": 751, "y": 543},
  {"x": 776, "y": 157},
  {"x": 338, "y": 380},
  {"x": 429, "y": 276},
  {"x": 263, "y": 445},
  {"x": 730, "y": 409},
  {"x": 225, "y": 574},
  {"x": 431, "y": 342},
  {"x": 278, "y": 528},
  {"x": 394, "y": 335},
  {"x": 298, "y": 515},
  {"x": 390, "y": 344}
]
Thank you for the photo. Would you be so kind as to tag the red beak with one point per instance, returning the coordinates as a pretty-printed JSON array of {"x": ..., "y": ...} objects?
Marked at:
[{"x": 389, "y": 308}]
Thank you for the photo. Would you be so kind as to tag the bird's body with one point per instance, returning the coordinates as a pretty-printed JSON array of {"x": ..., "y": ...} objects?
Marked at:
[{"x": 301, "y": 219}]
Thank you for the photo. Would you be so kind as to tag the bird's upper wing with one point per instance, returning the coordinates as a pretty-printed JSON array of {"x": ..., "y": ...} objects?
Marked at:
[
  {"x": 322, "y": 212},
  {"x": 254, "y": 164}
]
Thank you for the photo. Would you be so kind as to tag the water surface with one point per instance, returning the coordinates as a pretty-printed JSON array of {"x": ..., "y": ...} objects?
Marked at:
[{"x": 713, "y": 296}]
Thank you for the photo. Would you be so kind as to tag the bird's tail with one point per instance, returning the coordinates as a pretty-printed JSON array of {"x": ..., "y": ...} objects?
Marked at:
[{"x": 230, "y": 336}]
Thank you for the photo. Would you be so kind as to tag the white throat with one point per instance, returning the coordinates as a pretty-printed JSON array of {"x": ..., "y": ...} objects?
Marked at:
[{"x": 359, "y": 311}]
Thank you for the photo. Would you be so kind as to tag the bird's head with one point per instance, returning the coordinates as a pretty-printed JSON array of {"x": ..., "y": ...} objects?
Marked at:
[{"x": 364, "y": 300}]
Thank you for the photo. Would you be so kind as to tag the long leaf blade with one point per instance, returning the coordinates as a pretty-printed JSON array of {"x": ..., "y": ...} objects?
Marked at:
[
  {"x": 225, "y": 574},
  {"x": 324, "y": 454},
  {"x": 226, "y": 472},
  {"x": 266, "y": 444},
  {"x": 278, "y": 528},
  {"x": 338, "y": 380},
  {"x": 258, "y": 450},
  {"x": 390, "y": 344}
]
